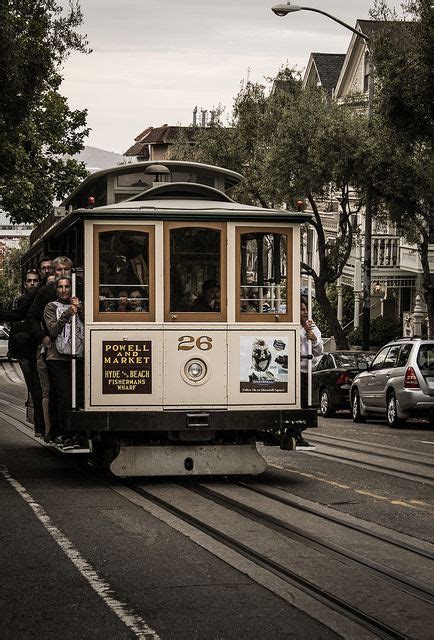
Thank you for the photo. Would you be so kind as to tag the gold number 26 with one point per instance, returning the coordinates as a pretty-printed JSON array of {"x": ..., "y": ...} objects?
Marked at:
[{"x": 185, "y": 343}]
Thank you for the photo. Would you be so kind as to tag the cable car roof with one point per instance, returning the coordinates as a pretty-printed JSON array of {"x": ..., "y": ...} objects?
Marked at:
[
  {"x": 169, "y": 201},
  {"x": 184, "y": 209},
  {"x": 226, "y": 177}
]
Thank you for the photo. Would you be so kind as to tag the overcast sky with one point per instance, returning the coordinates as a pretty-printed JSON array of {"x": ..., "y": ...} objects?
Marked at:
[{"x": 153, "y": 61}]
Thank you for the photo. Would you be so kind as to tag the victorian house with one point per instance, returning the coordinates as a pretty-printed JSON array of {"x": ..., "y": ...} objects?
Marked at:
[
  {"x": 154, "y": 142},
  {"x": 396, "y": 268}
]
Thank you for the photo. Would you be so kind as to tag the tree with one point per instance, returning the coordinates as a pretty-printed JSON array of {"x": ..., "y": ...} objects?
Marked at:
[
  {"x": 38, "y": 130},
  {"x": 399, "y": 150},
  {"x": 317, "y": 150},
  {"x": 294, "y": 143},
  {"x": 10, "y": 278}
]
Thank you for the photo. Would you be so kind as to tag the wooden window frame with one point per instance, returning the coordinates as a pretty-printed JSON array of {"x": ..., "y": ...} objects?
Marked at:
[
  {"x": 122, "y": 316},
  {"x": 189, "y": 316},
  {"x": 269, "y": 316}
]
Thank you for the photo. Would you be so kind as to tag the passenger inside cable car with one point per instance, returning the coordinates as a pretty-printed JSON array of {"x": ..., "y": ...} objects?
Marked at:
[
  {"x": 209, "y": 299},
  {"x": 263, "y": 268},
  {"x": 137, "y": 300},
  {"x": 124, "y": 275},
  {"x": 195, "y": 269}
]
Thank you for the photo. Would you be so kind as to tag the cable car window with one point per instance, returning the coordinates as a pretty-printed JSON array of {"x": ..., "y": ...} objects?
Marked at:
[
  {"x": 195, "y": 258},
  {"x": 263, "y": 282},
  {"x": 141, "y": 180},
  {"x": 123, "y": 261}
]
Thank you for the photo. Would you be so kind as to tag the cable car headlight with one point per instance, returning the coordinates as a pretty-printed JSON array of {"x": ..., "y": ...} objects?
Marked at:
[{"x": 195, "y": 370}]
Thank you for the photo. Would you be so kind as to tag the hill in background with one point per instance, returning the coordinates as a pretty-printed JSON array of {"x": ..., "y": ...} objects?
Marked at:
[{"x": 95, "y": 159}]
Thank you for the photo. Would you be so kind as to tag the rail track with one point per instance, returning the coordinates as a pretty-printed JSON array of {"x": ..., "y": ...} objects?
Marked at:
[
  {"x": 226, "y": 511},
  {"x": 375, "y": 457},
  {"x": 376, "y": 579}
]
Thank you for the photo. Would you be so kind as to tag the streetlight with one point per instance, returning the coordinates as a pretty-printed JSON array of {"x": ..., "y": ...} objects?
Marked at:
[{"x": 282, "y": 10}]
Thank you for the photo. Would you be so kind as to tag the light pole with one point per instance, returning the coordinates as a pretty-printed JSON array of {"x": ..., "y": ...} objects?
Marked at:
[{"x": 282, "y": 10}]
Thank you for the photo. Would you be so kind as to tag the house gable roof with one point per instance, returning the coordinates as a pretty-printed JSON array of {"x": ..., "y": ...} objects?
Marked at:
[
  {"x": 355, "y": 51},
  {"x": 326, "y": 67},
  {"x": 166, "y": 134}
]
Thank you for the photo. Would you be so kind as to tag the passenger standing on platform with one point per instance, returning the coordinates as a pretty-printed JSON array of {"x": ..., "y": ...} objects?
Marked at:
[
  {"x": 23, "y": 347},
  {"x": 61, "y": 267},
  {"x": 41, "y": 363},
  {"x": 45, "y": 268},
  {"x": 58, "y": 320},
  {"x": 32, "y": 281},
  {"x": 309, "y": 332}
]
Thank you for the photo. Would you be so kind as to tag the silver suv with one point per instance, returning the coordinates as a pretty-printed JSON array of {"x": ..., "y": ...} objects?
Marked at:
[{"x": 398, "y": 383}]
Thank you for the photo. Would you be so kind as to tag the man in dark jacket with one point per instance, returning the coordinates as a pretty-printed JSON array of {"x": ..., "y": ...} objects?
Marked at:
[
  {"x": 23, "y": 303},
  {"x": 23, "y": 348},
  {"x": 45, "y": 268}
]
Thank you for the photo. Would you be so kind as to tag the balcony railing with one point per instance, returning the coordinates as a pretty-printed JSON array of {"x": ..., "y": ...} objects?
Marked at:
[{"x": 385, "y": 251}]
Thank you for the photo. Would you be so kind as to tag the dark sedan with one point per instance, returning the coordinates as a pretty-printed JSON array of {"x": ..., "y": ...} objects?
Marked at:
[{"x": 332, "y": 378}]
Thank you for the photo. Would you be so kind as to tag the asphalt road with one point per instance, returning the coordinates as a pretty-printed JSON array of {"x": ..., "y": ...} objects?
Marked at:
[{"x": 82, "y": 557}]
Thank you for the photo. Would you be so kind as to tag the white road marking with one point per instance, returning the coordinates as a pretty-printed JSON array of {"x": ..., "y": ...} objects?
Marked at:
[
  {"x": 426, "y": 442},
  {"x": 132, "y": 621}
]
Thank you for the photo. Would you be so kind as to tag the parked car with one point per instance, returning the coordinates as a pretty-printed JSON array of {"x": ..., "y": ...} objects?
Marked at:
[
  {"x": 399, "y": 383},
  {"x": 332, "y": 378},
  {"x": 4, "y": 337}
]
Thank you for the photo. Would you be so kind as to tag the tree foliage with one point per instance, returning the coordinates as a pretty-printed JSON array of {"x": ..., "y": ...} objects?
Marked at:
[
  {"x": 292, "y": 143},
  {"x": 399, "y": 151},
  {"x": 347, "y": 309},
  {"x": 10, "y": 278},
  {"x": 37, "y": 127}
]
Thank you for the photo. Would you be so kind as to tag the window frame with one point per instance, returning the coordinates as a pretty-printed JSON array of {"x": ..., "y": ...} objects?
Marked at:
[
  {"x": 384, "y": 350},
  {"x": 404, "y": 348},
  {"x": 190, "y": 316},
  {"x": 264, "y": 317},
  {"x": 124, "y": 316},
  {"x": 393, "y": 364}
]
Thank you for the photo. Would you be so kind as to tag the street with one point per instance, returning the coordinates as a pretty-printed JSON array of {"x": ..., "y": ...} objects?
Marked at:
[{"x": 334, "y": 542}]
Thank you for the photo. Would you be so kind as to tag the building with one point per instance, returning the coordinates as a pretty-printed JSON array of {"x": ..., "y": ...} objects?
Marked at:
[
  {"x": 396, "y": 268},
  {"x": 154, "y": 143},
  {"x": 323, "y": 70}
]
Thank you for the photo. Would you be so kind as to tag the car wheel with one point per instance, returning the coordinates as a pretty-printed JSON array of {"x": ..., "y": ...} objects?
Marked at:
[
  {"x": 355, "y": 408},
  {"x": 392, "y": 412},
  {"x": 325, "y": 404}
]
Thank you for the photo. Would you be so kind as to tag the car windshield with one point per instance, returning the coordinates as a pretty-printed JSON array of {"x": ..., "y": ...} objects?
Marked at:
[
  {"x": 425, "y": 357},
  {"x": 347, "y": 360}
]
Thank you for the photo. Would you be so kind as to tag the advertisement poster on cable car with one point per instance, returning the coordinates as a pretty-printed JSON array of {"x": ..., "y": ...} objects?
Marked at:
[
  {"x": 126, "y": 367},
  {"x": 263, "y": 364}
]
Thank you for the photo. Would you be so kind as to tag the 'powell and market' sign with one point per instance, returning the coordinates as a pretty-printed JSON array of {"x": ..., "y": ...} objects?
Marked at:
[{"x": 126, "y": 367}]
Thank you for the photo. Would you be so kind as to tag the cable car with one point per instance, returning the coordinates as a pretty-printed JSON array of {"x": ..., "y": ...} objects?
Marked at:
[{"x": 192, "y": 345}]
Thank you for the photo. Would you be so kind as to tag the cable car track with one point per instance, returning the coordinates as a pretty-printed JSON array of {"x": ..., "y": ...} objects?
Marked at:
[
  {"x": 335, "y": 518},
  {"x": 370, "y": 622},
  {"x": 415, "y": 477},
  {"x": 417, "y": 588},
  {"x": 357, "y": 445},
  {"x": 360, "y": 452}
]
